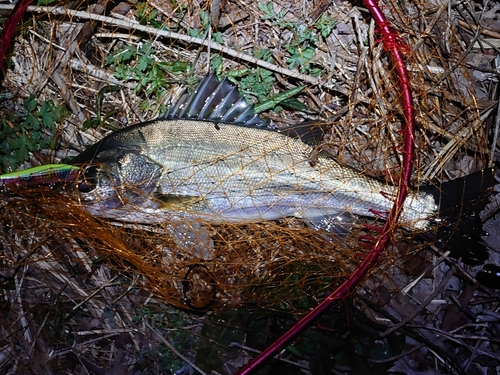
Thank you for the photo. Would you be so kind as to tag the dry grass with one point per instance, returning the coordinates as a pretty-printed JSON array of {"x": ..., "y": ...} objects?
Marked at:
[{"x": 79, "y": 295}]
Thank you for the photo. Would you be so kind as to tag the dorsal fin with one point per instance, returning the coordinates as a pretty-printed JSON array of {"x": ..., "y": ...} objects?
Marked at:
[{"x": 215, "y": 101}]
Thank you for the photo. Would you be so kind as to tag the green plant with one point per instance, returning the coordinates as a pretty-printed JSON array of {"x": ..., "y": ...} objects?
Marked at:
[
  {"x": 136, "y": 63},
  {"x": 147, "y": 15},
  {"x": 41, "y": 3},
  {"x": 99, "y": 120},
  {"x": 325, "y": 25},
  {"x": 216, "y": 62},
  {"x": 302, "y": 45},
  {"x": 259, "y": 83},
  {"x": 32, "y": 132},
  {"x": 205, "y": 28}
]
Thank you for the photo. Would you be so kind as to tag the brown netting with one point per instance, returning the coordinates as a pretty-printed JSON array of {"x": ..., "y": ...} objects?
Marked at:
[
  {"x": 256, "y": 263},
  {"x": 83, "y": 293}
]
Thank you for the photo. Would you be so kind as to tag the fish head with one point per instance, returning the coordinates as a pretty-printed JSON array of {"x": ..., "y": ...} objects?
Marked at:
[
  {"x": 123, "y": 182},
  {"x": 98, "y": 184}
]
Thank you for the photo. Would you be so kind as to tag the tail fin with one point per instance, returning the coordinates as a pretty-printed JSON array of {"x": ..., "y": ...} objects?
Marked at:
[{"x": 459, "y": 227}]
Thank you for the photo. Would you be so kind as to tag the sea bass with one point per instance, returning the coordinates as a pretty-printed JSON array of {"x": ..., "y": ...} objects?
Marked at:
[{"x": 212, "y": 158}]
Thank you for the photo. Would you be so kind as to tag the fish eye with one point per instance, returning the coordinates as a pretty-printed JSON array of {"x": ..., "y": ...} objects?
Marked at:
[{"x": 88, "y": 180}]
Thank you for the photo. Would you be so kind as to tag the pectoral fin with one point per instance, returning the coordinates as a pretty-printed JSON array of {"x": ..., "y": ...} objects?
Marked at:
[{"x": 176, "y": 202}]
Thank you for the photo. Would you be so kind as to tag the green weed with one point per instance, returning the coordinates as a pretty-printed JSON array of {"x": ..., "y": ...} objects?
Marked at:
[
  {"x": 31, "y": 132},
  {"x": 148, "y": 16},
  {"x": 302, "y": 46},
  {"x": 205, "y": 28},
  {"x": 137, "y": 63}
]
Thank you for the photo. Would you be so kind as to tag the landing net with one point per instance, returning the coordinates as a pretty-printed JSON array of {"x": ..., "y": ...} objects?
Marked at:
[{"x": 93, "y": 280}]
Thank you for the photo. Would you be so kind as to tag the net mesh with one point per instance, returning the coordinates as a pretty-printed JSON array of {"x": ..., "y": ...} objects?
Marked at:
[
  {"x": 254, "y": 263},
  {"x": 63, "y": 268}
]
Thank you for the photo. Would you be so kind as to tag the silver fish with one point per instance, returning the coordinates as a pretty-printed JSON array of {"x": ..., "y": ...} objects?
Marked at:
[{"x": 212, "y": 159}]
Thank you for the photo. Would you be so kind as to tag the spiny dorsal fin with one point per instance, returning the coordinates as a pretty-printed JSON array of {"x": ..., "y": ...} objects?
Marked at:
[{"x": 215, "y": 101}]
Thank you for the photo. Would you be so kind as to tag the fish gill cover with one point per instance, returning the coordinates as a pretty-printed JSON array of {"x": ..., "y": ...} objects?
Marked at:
[{"x": 81, "y": 293}]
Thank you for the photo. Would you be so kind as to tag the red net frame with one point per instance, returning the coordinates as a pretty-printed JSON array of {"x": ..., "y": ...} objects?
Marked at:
[{"x": 394, "y": 47}]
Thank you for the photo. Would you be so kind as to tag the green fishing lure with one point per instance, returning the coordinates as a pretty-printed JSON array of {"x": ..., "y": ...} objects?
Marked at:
[{"x": 43, "y": 174}]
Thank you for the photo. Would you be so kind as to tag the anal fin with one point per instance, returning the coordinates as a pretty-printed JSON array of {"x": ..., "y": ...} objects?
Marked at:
[{"x": 336, "y": 225}]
